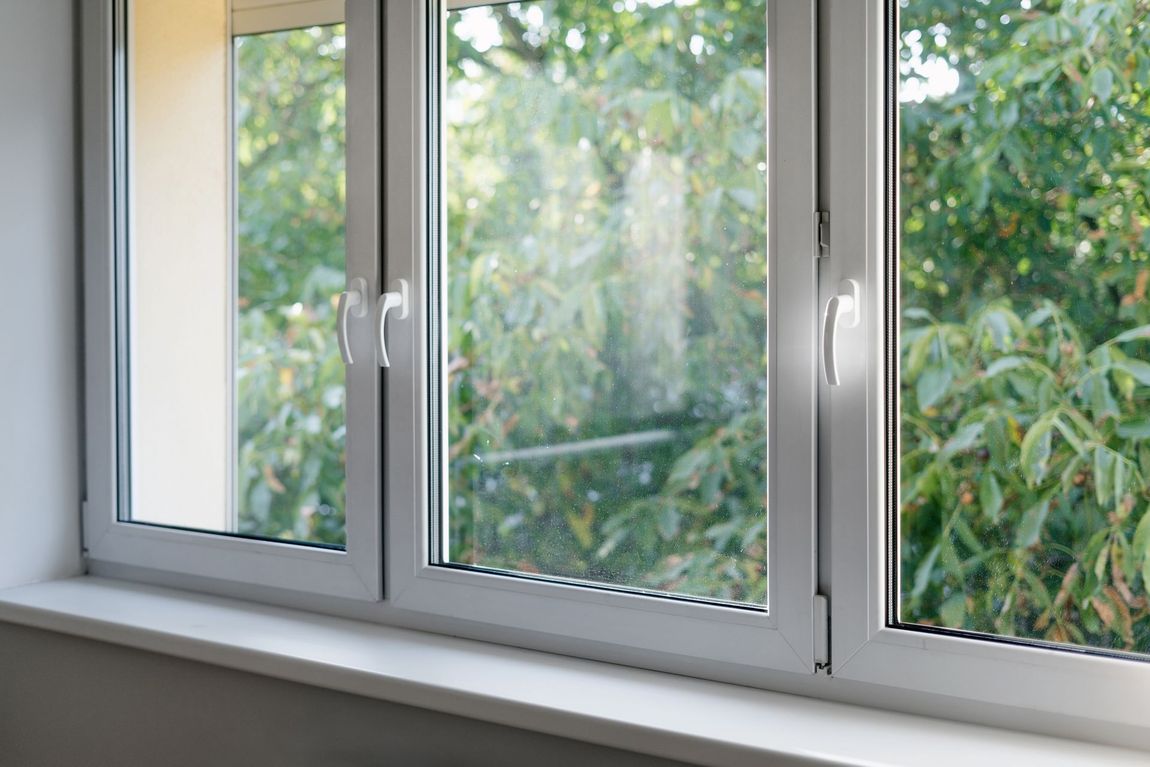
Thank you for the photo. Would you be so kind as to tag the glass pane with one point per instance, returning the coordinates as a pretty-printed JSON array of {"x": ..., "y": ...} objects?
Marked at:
[
  {"x": 1025, "y": 319},
  {"x": 290, "y": 216},
  {"x": 605, "y": 371},
  {"x": 236, "y": 256}
]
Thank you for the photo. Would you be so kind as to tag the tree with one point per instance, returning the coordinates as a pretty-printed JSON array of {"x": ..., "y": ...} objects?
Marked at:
[
  {"x": 290, "y": 203},
  {"x": 606, "y": 252},
  {"x": 1024, "y": 273}
]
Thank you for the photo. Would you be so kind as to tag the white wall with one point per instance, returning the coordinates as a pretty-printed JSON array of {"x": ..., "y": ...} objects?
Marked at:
[{"x": 39, "y": 357}]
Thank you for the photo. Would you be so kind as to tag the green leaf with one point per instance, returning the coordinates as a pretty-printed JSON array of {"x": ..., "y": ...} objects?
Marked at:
[
  {"x": 924, "y": 571},
  {"x": 1141, "y": 547},
  {"x": 1102, "y": 82},
  {"x": 965, "y": 438},
  {"x": 932, "y": 386},
  {"x": 1100, "y": 563},
  {"x": 1003, "y": 364},
  {"x": 953, "y": 611},
  {"x": 1068, "y": 433},
  {"x": 1092, "y": 551},
  {"x": 967, "y": 536},
  {"x": 1103, "y": 475},
  {"x": 1132, "y": 335},
  {"x": 1035, "y": 450},
  {"x": 1138, "y": 369},
  {"x": 1119, "y": 481},
  {"x": 669, "y": 520},
  {"x": 948, "y": 555},
  {"x": 1039, "y": 316},
  {"x": 710, "y": 486},
  {"x": 917, "y": 354},
  {"x": 1000, "y": 325},
  {"x": 1030, "y": 528},
  {"x": 990, "y": 496},
  {"x": 746, "y": 198},
  {"x": 1033, "y": 73}
]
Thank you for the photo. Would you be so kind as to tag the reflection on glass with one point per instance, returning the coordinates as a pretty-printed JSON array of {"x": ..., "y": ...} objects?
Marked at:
[
  {"x": 290, "y": 214},
  {"x": 605, "y": 374},
  {"x": 1025, "y": 319}
]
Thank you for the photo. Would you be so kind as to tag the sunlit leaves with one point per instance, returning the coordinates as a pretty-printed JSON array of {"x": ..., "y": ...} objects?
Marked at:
[
  {"x": 1027, "y": 185},
  {"x": 605, "y": 195},
  {"x": 1028, "y": 476},
  {"x": 289, "y": 478}
]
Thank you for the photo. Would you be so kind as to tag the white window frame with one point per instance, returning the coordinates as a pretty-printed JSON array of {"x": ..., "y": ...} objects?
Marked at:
[
  {"x": 1081, "y": 694},
  {"x": 782, "y": 638},
  {"x": 1057, "y": 691},
  {"x": 251, "y": 17},
  {"x": 674, "y": 634},
  {"x": 111, "y": 542}
]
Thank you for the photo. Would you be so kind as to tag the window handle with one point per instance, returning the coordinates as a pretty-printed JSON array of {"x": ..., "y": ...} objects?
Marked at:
[
  {"x": 393, "y": 299},
  {"x": 351, "y": 302},
  {"x": 842, "y": 309}
]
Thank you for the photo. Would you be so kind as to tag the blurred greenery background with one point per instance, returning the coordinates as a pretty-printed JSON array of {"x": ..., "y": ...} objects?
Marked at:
[
  {"x": 605, "y": 185},
  {"x": 1025, "y": 161},
  {"x": 606, "y": 242},
  {"x": 290, "y": 209}
]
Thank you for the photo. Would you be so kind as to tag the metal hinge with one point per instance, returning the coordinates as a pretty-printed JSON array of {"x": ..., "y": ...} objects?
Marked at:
[
  {"x": 822, "y": 234},
  {"x": 83, "y": 526},
  {"x": 822, "y": 619}
]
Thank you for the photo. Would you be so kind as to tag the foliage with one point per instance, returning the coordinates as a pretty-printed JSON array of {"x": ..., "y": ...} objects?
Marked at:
[
  {"x": 606, "y": 237},
  {"x": 290, "y": 191},
  {"x": 1025, "y": 264},
  {"x": 1024, "y": 466}
]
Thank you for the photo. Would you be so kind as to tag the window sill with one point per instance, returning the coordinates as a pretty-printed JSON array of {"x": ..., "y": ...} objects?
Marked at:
[{"x": 649, "y": 712}]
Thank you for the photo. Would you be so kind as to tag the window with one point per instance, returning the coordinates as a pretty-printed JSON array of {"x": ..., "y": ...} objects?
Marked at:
[
  {"x": 945, "y": 449},
  {"x": 605, "y": 295},
  {"x": 722, "y": 338},
  {"x": 1024, "y": 317},
  {"x": 229, "y": 238},
  {"x": 584, "y": 374},
  {"x": 290, "y": 218}
]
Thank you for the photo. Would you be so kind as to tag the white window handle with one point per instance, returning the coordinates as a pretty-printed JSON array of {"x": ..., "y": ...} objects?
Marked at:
[
  {"x": 842, "y": 309},
  {"x": 354, "y": 302},
  {"x": 393, "y": 299}
]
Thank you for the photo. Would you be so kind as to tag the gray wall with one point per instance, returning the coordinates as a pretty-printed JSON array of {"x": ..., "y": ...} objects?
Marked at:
[
  {"x": 70, "y": 701},
  {"x": 39, "y": 362}
]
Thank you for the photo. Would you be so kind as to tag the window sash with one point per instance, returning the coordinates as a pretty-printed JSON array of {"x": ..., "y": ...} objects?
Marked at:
[
  {"x": 588, "y": 617},
  {"x": 112, "y": 544},
  {"x": 1066, "y": 691}
]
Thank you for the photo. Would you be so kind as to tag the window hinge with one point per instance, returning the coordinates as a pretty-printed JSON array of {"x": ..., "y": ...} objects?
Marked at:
[
  {"x": 822, "y": 619},
  {"x": 822, "y": 234},
  {"x": 83, "y": 524}
]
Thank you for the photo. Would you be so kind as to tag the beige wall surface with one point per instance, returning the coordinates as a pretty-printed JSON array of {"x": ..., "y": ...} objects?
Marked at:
[{"x": 178, "y": 90}]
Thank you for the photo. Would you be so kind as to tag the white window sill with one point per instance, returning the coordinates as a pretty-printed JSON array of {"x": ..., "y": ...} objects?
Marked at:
[{"x": 659, "y": 714}]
